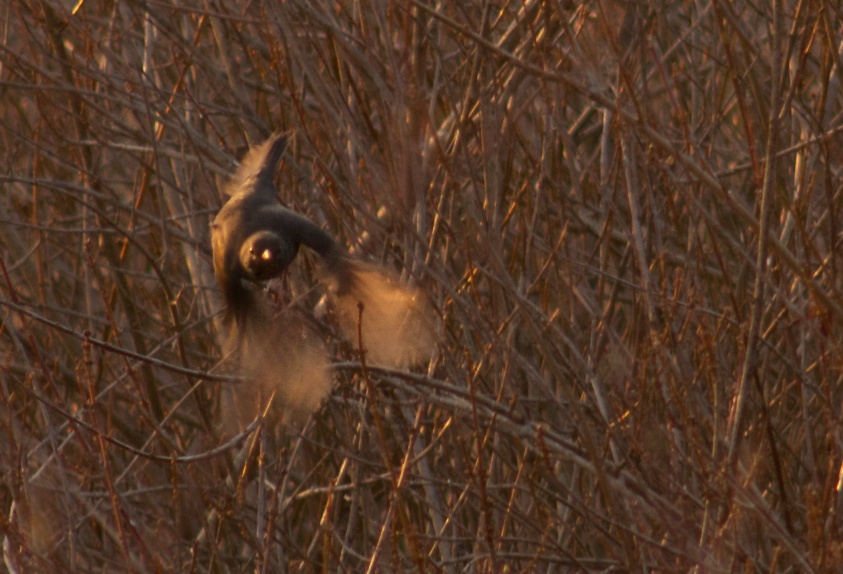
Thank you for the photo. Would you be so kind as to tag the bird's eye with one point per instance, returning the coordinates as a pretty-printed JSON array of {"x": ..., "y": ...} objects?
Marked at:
[{"x": 266, "y": 255}]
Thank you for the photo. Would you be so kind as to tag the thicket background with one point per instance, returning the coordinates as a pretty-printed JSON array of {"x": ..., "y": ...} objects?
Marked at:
[{"x": 627, "y": 216}]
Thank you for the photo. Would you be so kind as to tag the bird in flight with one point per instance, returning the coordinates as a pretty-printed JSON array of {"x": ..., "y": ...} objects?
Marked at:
[{"x": 255, "y": 239}]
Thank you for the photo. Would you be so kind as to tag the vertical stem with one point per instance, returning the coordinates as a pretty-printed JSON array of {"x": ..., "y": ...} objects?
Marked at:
[{"x": 750, "y": 359}]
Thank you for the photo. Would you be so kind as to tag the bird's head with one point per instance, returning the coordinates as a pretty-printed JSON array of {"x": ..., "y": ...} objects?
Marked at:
[{"x": 265, "y": 255}]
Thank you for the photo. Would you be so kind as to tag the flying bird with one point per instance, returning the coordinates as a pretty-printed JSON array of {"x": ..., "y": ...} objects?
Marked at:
[{"x": 255, "y": 239}]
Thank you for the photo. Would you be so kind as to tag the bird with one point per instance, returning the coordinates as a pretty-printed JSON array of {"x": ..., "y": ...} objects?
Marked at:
[{"x": 254, "y": 239}]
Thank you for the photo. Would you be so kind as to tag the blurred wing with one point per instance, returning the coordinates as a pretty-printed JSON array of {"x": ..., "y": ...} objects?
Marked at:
[{"x": 257, "y": 168}]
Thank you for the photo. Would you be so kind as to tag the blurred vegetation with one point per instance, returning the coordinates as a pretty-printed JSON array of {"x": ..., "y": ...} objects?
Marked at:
[{"x": 627, "y": 216}]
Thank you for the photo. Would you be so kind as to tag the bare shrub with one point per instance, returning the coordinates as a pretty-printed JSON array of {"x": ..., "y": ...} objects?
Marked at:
[{"x": 627, "y": 220}]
